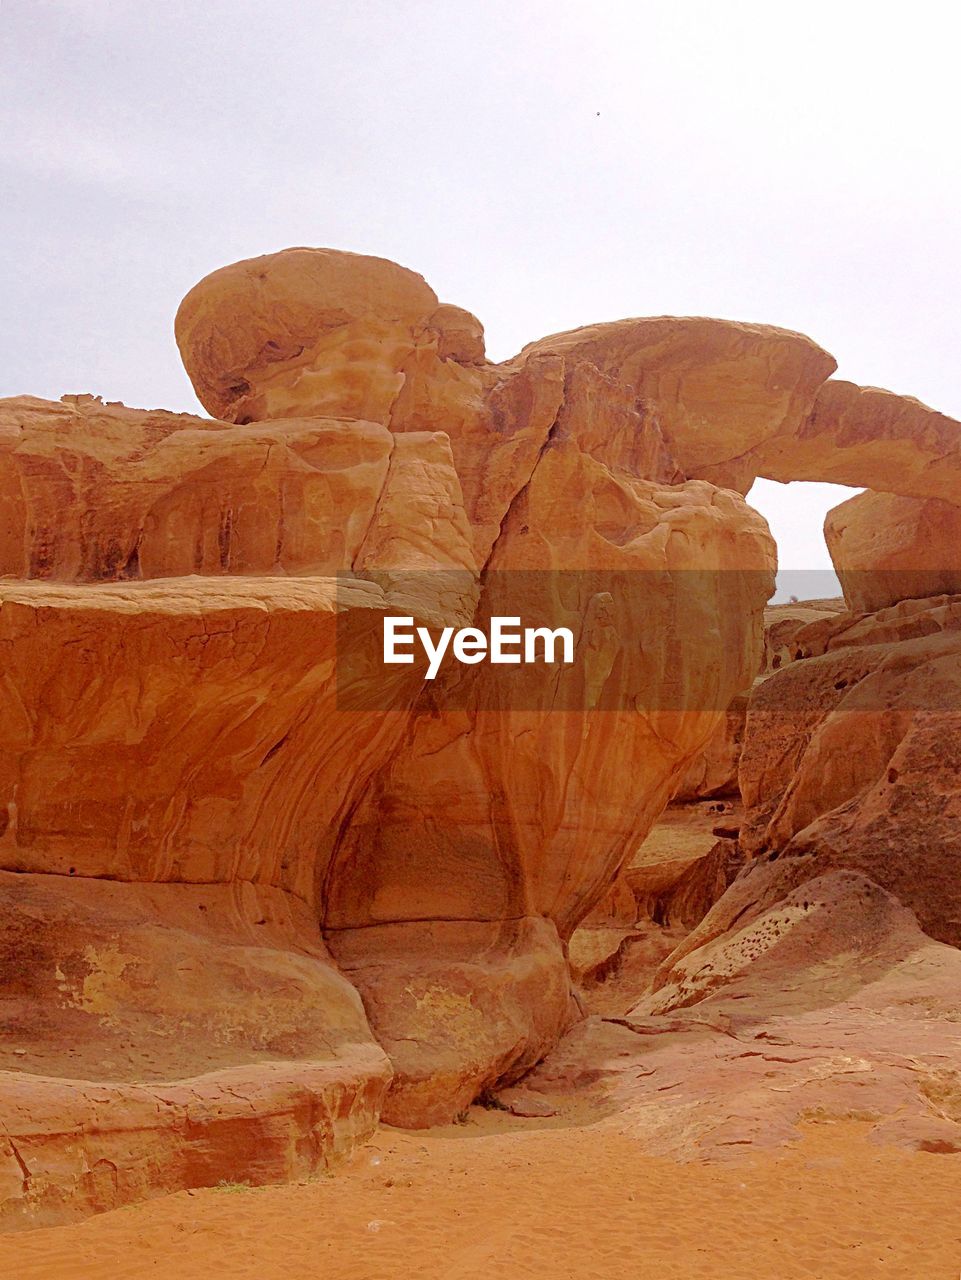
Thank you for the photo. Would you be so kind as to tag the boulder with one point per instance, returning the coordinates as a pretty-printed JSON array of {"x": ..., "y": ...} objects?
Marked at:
[
  {"x": 459, "y": 1005},
  {"x": 314, "y": 328},
  {"x": 886, "y": 548},
  {"x": 156, "y": 1036}
]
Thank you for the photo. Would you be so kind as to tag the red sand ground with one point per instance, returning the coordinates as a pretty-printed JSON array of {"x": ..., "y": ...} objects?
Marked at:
[{"x": 499, "y": 1196}]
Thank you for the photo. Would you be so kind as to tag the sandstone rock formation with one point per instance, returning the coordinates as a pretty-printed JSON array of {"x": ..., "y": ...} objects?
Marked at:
[
  {"x": 718, "y": 388},
  {"x": 202, "y": 753},
  {"x": 829, "y": 1004},
  {"x": 867, "y": 438},
  {"x": 311, "y": 328},
  {"x": 859, "y": 436},
  {"x": 850, "y": 760},
  {"x": 691, "y": 853},
  {"x": 713, "y": 772},
  {"x": 783, "y": 623},
  {"x": 174, "y": 772},
  {"x": 563, "y": 466},
  {"x": 886, "y": 549},
  {"x": 318, "y": 333},
  {"x": 156, "y": 1036},
  {"x": 259, "y": 889}
]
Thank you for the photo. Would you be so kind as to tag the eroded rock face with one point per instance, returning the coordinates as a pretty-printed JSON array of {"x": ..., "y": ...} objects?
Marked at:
[
  {"x": 784, "y": 623},
  {"x": 692, "y": 853},
  {"x": 515, "y": 813},
  {"x": 714, "y": 770},
  {"x": 563, "y": 461},
  {"x": 173, "y": 731},
  {"x": 179, "y": 595},
  {"x": 173, "y": 765},
  {"x": 311, "y": 332},
  {"x": 870, "y": 438},
  {"x": 175, "y": 770},
  {"x": 829, "y": 1001},
  {"x": 718, "y": 388},
  {"x": 851, "y": 761},
  {"x": 886, "y": 549},
  {"x": 459, "y": 1005},
  {"x": 97, "y": 492},
  {"x": 313, "y": 326},
  {"x": 156, "y": 1036},
  {"x": 847, "y": 434},
  {"x": 175, "y": 747},
  {"x": 469, "y": 858}
]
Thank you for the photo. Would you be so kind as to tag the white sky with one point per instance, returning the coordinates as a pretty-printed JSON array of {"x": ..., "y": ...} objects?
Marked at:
[{"x": 796, "y": 164}]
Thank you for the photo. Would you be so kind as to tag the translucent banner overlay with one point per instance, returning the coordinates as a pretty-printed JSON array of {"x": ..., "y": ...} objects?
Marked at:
[{"x": 633, "y": 641}]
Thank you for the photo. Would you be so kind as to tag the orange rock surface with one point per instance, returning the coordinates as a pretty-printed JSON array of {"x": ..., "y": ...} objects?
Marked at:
[
  {"x": 870, "y": 438},
  {"x": 178, "y": 740},
  {"x": 717, "y": 388},
  {"x": 157, "y": 1036},
  {"x": 315, "y": 327},
  {"x": 851, "y": 760},
  {"x": 263, "y": 890},
  {"x": 886, "y": 548},
  {"x": 827, "y": 1003}
]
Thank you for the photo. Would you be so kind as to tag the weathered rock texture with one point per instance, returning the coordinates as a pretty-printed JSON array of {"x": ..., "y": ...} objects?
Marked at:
[
  {"x": 222, "y": 827},
  {"x": 784, "y": 622},
  {"x": 513, "y": 814},
  {"x": 174, "y": 775},
  {"x": 716, "y": 388},
  {"x": 859, "y": 436},
  {"x": 98, "y": 492},
  {"x": 830, "y": 1004},
  {"x": 260, "y": 892},
  {"x": 714, "y": 771},
  {"x": 886, "y": 549},
  {"x": 157, "y": 1036},
  {"x": 851, "y": 760},
  {"x": 867, "y": 438},
  {"x": 691, "y": 853}
]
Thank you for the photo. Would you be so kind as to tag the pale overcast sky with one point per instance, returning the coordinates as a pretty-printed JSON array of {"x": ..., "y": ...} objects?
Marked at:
[{"x": 544, "y": 164}]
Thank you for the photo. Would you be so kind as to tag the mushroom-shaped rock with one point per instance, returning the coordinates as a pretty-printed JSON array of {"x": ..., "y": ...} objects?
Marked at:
[
  {"x": 317, "y": 326},
  {"x": 190, "y": 709}
]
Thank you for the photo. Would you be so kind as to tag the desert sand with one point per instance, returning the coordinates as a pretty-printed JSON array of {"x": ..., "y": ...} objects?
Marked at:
[{"x": 501, "y": 1196}]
